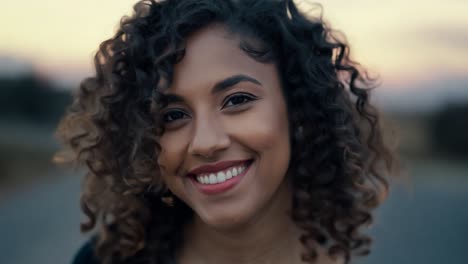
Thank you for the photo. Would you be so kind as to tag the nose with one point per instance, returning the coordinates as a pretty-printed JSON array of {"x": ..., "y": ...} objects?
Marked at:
[{"x": 208, "y": 138}]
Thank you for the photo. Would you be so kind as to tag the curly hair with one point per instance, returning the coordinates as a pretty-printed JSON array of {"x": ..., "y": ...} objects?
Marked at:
[{"x": 339, "y": 162}]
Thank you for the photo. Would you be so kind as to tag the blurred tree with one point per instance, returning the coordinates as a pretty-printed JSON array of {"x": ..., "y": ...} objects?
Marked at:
[
  {"x": 449, "y": 130},
  {"x": 31, "y": 99}
]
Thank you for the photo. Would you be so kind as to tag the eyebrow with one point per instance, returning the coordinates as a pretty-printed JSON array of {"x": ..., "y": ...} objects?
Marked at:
[
  {"x": 217, "y": 88},
  {"x": 231, "y": 81}
]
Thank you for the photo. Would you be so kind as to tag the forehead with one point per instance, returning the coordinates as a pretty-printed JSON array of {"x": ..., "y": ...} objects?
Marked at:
[{"x": 212, "y": 54}]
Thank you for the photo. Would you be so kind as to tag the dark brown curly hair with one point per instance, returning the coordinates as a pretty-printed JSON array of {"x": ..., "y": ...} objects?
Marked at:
[{"x": 339, "y": 162}]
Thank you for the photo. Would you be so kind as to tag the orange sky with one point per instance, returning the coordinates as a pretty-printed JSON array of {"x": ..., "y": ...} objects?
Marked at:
[{"x": 401, "y": 40}]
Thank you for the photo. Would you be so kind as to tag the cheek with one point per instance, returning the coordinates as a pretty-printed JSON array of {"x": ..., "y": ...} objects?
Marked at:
[
  {"x": 272, "y": 126},
  {"x": 271, "y": 139},
  {"x": 267, "y": 128},
  {"x": 171, "y": 155}
]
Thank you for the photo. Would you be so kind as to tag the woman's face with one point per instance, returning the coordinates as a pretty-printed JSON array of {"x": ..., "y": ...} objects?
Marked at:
[{"x": 226, "y": 110}]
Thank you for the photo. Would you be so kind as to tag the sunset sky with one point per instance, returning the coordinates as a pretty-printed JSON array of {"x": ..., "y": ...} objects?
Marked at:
[{"x": 404, "y": 41}]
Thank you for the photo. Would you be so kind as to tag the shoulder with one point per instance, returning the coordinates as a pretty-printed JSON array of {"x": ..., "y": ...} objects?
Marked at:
[{"x": 85, "y": 254}]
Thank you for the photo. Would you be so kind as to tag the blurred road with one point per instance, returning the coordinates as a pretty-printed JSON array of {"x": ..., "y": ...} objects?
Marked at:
[
  {"x": 40, "y": 223},
  {"x": 427, "y": 223}
]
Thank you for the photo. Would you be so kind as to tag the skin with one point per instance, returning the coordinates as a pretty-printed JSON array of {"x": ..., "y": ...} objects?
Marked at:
[{"x": 248, "y": 223}]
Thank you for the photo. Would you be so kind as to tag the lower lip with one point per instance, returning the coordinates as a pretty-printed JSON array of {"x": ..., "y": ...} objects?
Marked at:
[{"x": 221, "y": 187}]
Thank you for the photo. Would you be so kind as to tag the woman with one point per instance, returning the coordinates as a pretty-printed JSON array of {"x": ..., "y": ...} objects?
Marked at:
[{"x": 234, "y": 131}]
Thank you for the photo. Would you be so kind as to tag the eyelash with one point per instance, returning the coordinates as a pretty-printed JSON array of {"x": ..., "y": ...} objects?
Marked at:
[
  {"x": 169, "y": 113},
  {"x": 237, "y": 95}
]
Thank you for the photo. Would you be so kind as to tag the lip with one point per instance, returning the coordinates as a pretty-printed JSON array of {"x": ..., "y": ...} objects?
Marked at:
[
  {"x": 211, "y": 189},
  {"x": 215, "y": 167}
]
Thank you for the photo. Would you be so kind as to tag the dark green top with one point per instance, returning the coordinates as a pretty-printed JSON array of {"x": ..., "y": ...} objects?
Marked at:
[{"x": 86, "y": 255}]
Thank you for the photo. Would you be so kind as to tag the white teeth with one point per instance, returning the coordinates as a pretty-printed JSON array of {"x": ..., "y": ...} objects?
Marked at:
[
  {"x": 213, "y": 179},
  {"x": 219, "y": 177}
]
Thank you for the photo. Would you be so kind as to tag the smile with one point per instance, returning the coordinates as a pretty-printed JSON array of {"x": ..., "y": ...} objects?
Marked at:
[
  {"x": 221, "y": 181},
  {"x": 221, "y": 176}
]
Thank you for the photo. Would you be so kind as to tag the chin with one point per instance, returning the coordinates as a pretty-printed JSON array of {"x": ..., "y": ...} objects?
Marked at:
[{"x": 226, "y": 222}]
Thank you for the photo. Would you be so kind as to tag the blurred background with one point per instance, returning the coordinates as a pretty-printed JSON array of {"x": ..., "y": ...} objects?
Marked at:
[{"x": 418, "y": 48}]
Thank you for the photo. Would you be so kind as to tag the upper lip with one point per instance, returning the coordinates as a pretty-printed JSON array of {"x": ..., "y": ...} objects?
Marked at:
[{"x": 215, "y": 167}]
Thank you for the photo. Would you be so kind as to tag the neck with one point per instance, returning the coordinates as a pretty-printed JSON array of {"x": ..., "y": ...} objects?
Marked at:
[{"x": 271, "y": 237}]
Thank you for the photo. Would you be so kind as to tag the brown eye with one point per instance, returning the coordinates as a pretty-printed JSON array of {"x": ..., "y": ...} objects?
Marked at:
[
  {"x": 171, "y": 116},
  {"x": 238, "y": 99}
]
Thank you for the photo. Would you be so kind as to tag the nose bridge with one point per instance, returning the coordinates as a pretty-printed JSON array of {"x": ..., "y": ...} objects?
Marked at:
[{"x": 208, "y": 136}]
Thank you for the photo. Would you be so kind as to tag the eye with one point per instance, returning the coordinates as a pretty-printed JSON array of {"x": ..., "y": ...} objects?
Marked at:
[
  {"x": 173, "y": 115},
  {"x": 237, "y": 99}
]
